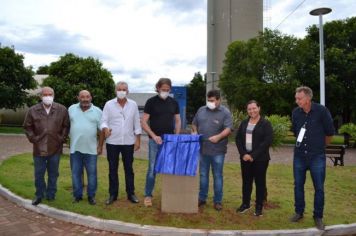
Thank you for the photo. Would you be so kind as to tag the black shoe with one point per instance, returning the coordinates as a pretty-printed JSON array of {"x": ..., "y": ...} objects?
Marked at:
[
  {"x": 77, "y": 199},
  {"x": 201, "y": 203},
  {"x": 296, "y": 217},
  {"x": 36, "y": 201},
  {"x": 110, "y": 200},
  {"x": 258, "y": 211},
  {"x": 218, "y": 206},
  {"x": 91, "y": 200},
  {"x": 243, "y": 208},
  {"x": 133, "y": 198},
  {"x": 319, "y": 223}
]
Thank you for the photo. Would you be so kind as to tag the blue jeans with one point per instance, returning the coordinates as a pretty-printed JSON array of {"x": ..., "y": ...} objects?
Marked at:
[
  {"x": 316, "y": 165},
  {"x": 78, "y": 161},
  {"x": 151, "y": 175},
  {"x": 217, "y": 164},
  {"x": 41, "y": 164}
]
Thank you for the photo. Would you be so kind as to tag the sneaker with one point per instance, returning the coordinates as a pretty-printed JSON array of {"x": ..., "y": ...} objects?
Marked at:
[
  {"x": 147, "y": 201},
  {"x": 296, "y": 217},
  {"x": 243, "y": 208},
  {"x": 258, "y": 211},
  {"x": 201, "y": 203},
  {"x": 319, "y": 223}
]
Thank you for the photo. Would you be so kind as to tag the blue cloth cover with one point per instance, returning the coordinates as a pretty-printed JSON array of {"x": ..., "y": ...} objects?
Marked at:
[{"x": 178, "y": 155}]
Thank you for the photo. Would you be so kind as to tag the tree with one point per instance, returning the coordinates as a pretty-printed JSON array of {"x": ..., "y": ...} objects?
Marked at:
[
  {"x": 340, "y": 65},
  {"x": 15, "y": 80},
  {"x": 42, "y": 70},
  {"x": 262, "y": 68},
  {"x": 196, "y": 91},
  {"x": 71, "y": 73}
]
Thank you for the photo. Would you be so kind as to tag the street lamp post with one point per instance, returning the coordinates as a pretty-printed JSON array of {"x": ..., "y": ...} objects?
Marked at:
[{"x": 320, "y": 12}]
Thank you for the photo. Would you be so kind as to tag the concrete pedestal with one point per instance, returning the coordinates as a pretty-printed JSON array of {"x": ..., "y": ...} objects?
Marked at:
[{"x": 180, "y": 194}]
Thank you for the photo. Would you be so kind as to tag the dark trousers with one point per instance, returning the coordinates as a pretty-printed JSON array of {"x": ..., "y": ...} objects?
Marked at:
[
  {"x": 251, "y": 171},
  {"x": 113, "y": 153}
]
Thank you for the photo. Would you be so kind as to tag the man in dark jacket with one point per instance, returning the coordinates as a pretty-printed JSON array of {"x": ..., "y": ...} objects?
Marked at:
[{"x": 46, "y": 125}]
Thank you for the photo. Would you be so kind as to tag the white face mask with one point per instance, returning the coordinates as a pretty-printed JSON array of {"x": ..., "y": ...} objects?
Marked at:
[
  {"x": 211, "y": 105},
  {"x": 163, "y": 95},
  {"x": 121, "y": 94},
  {"x": 47, "y": 100}
]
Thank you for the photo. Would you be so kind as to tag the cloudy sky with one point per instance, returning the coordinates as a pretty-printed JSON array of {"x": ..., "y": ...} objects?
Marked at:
[{"x": 139, "y": 41}]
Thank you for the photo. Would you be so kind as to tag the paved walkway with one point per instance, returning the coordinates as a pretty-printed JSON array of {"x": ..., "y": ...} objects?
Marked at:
[{"x": 15, "y": 220}]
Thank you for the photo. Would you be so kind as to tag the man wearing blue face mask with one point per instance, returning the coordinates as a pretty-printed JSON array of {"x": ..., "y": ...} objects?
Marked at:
[
  {"x": 161, "y": 116},
  {"x": 46, "y": 126},
  {"x": 214, "y": 123},
  {"x": 120, "y": 124}
]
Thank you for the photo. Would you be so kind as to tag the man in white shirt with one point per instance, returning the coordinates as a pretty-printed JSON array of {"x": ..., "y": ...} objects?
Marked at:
[{"x": 121, "y": 126}]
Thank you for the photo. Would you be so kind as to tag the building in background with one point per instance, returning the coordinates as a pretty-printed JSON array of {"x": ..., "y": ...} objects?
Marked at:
[{"x": 228, "y": 21}]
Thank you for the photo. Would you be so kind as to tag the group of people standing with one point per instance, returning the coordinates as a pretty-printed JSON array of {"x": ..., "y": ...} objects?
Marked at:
[{"x": 48, "y": 123}]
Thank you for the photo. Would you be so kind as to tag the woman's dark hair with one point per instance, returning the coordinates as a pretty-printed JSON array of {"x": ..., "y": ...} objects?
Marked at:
[
  {"x": 252, "y": 101},
  {"x": 213, "y": 93}
]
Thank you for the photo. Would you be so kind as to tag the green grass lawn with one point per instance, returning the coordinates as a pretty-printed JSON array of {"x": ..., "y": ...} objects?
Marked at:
[
  {"x": 16, "y": 174},
  {"x": 11, "y": 130}
]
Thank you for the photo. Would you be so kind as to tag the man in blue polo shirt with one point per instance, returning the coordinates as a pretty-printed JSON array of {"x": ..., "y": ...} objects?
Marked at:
[
  {"x": 313, "y": 127},
  {"x": 84, "y": 125}
]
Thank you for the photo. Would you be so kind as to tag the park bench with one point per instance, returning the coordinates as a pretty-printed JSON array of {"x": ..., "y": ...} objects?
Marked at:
[{"x": 336, "y": 153}]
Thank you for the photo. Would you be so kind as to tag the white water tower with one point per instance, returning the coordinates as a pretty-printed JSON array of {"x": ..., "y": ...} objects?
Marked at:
[{"x": 228, "y": 21}]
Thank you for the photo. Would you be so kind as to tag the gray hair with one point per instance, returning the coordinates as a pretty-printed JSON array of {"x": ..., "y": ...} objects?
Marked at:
[
  {"x": 122, "y": 83},
  {"x": 46, "y": 88},
  {"x": 306, "y": 90}
]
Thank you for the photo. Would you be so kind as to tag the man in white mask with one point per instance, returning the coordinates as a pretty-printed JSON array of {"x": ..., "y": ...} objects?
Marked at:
[
  {"x": 160, "y": 116},
  {"x": 214, "y": 123},
  {"x": 46, "y": 126},
  {"x": 120, "y": 124}
]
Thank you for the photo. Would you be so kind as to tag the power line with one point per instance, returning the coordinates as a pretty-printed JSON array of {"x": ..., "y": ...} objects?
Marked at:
[{"x": 285, "y": 18}]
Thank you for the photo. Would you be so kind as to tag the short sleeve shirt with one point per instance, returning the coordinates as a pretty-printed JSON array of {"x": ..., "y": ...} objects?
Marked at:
[
  {"x": 162, "y": 112},
  {"x": 318, "y": 123},
  {"x": 212, "y": 122},
  {"x": 84, "y": 126}
]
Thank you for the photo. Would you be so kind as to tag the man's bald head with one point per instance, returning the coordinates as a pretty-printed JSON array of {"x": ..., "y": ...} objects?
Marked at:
[
  {"x": 84, "y": 93},
  {"x": 84, "y": 98}
]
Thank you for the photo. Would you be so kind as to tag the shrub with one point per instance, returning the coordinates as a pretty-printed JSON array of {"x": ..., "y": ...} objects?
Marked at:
[
  {"x": 281, "y": 126},
  {"x": 349, "y": 129}
]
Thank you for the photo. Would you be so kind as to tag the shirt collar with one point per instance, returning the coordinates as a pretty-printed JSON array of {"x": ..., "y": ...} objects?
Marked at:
[{"x": 312, "y": 108}]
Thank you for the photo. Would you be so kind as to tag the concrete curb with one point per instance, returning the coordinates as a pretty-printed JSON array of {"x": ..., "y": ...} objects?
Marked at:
[{"x": 130, "y": 228}]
